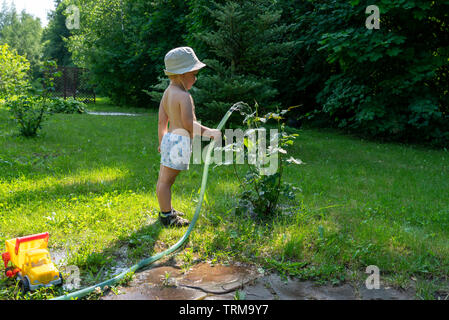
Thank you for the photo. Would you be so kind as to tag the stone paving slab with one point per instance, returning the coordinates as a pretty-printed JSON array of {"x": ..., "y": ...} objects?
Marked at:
[
  {"x": 385, "y": 294},
  {"x": 274, "y": 287},
  {"x": 218, "y": 279},
  {"x": 218, "y": 282}
]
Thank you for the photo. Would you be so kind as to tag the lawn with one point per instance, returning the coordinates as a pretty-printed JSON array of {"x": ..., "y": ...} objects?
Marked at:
[{"x": 90, "y": 181}]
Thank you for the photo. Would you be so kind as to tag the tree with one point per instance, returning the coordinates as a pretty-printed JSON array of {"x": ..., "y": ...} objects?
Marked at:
[
  {"x": 389, "y": 83},
  {"x": 5, "y": 14},
  {"x": 124, "y": 42},
  {"x": 22, "y": 32},
  {"x": 247, "y": 48},
  {"x": 55, "y": 35}
]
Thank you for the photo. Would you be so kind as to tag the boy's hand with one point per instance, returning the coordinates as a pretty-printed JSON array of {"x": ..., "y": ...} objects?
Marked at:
[
  {"x": 215, "y": 134},
  {"x": 159, "y": 149}
]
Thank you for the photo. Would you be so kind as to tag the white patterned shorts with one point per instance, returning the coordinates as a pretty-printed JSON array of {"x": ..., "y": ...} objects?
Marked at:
[{"x": 176, "y": 151}]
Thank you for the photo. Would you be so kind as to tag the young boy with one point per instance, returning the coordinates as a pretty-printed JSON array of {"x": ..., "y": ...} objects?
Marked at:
[{"x": 175, "y": 144}]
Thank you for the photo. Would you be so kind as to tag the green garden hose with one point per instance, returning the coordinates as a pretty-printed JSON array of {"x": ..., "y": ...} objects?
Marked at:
[{"x": 177, "y": 245}]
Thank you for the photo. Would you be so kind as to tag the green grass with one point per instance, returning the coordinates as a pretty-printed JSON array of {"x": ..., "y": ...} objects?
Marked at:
[{"x": 90, "y": 181}]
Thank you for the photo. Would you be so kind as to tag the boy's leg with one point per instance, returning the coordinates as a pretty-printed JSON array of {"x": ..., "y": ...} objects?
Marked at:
[{"x": 167, "y": 177}]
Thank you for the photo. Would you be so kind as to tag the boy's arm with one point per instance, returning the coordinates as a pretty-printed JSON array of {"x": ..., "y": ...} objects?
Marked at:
[{"x": 162, "y": 124}]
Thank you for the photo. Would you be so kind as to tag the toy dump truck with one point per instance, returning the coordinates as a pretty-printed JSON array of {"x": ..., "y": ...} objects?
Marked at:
[{"x": 31, "y": 262}]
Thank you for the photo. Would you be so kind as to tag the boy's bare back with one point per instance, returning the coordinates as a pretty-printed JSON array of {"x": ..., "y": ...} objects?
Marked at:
[{"x": 179, "y": 107}]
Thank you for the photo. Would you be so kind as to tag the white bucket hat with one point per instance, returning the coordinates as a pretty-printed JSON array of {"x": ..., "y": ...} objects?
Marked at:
[{"x": 181, "y": 60}]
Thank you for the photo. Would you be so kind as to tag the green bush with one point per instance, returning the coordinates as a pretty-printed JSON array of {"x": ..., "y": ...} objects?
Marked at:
[
  {"x": 29, "y": 112},
  {"x": 68, "y": 106},
  {"x": 13, "y": 72}
]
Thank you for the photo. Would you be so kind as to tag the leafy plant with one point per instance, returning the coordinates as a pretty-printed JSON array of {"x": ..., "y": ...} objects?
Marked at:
[
  {"x": 68, "y": 106},
  {"x": 261, "y": 189},
  {"x": 126, "y": 279},
  {"x": 30, "y": 111},
  {"x": 167, "y": 280}
]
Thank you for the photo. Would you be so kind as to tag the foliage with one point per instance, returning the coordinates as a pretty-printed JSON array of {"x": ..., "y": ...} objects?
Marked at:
[
  {"x": 247, "y": 36},
  {"x": 387, "y": 83},
  {"x": 68, "y": 106},
  {"x": 14, "y": 68},
  {"x": 55, "y": 35},
  {"x": 216, "y": 92},
  {"x": 246, "y": 46},
  {"x": 245, "y": 42},
  {"x": 29, "y": 112},
  {"x": 123, "y": 43},
  {"x": 50, "y": 71}
]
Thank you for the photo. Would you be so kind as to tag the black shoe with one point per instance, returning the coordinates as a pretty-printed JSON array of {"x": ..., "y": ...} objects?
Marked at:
[{"x": 173, "y": 219}]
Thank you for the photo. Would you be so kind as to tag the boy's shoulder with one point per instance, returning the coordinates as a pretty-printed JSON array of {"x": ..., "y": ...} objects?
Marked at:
[
  {"x": 176, "y": 91},
  {"x": 177, "y": 94}
]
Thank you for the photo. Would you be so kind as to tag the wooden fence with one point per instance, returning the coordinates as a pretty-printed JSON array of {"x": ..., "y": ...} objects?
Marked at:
[{"x": 74, "y": 82}]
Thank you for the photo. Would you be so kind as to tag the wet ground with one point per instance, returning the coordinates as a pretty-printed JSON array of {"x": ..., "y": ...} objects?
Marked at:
[{"x": 205, "y": 281}]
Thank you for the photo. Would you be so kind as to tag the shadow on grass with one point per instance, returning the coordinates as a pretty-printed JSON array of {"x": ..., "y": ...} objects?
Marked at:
[{"x": 121, "y": 254}]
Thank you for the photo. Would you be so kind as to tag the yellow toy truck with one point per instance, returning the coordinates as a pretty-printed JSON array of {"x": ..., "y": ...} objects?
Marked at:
[{"x": 31, "y": 262}]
